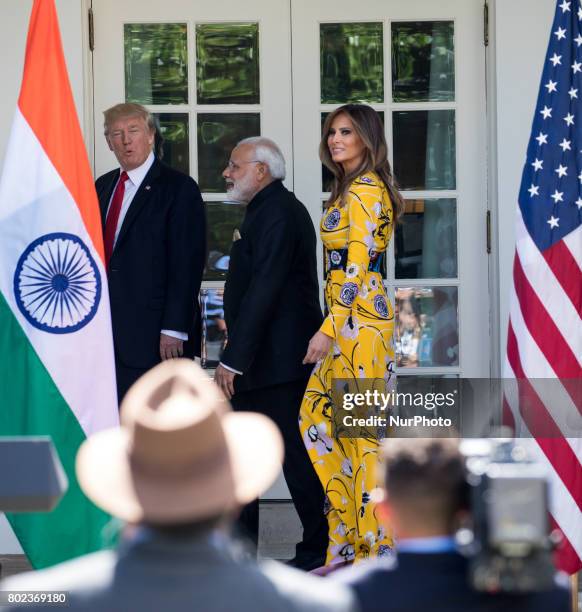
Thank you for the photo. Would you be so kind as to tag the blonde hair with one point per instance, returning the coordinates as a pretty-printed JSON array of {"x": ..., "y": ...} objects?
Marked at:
[
  {"x": 127, "y": 109},
  {"x": 369, "y": 128}
]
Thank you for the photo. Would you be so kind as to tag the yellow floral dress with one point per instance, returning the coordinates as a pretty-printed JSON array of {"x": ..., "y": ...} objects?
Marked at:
[{"x": 361, "y": 321}]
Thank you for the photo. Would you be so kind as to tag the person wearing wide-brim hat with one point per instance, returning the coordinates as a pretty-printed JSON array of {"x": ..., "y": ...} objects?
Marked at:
[{"x": 178, "y": 469}]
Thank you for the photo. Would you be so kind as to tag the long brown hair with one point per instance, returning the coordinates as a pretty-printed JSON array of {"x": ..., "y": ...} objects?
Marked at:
[{"x": 369, "y": 128}]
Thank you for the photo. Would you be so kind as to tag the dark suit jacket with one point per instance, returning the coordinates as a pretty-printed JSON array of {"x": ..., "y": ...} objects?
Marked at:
[
  {"x": 156, "y": 266},
  {"x": 178, "y": 574},
  {"x": 271, "y": 296},
  {"x": 437, "y": 582}
]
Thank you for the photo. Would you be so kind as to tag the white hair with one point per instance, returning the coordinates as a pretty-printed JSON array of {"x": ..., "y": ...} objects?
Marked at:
[{"x": 267, "y": 152}]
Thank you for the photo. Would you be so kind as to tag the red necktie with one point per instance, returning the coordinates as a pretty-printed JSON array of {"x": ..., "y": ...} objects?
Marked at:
[{"x": 113, "y": 216}]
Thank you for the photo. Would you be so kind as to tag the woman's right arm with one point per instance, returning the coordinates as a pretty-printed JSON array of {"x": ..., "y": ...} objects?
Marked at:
[{"x": 363, "y": 213}]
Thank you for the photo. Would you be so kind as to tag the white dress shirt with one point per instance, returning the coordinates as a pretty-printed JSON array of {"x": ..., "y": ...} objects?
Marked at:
[
  {"x": 229, "y": 368},
  {"x": 136, "y": 177}
]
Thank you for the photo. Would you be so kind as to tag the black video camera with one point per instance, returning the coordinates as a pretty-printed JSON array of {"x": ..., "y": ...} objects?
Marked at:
[{"x": 510, "y": 545}]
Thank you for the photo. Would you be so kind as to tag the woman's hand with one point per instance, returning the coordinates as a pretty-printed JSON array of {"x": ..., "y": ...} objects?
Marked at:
[{"x": 318, "y": 348}]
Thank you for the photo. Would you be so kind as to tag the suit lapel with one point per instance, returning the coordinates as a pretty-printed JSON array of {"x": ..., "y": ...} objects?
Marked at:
[
  {"x": 105, "y": 193},
  {"x": 141, "y": 198}
]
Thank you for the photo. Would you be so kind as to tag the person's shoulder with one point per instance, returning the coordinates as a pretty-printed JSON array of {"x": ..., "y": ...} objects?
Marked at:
[
  {"x": 307, "y": 592},
  {"x": 108, "y": 176},
  {"x": 173, "y": 176},
  {"x": 90, "y": 572},
  {"x": 367, "y": 188},
  {"x": 279, "y": 194},
  {"x": 281, "y": 204},
  {"x": 368, "y": 180},
  {"x": 559, "y": 596},
  {"x": 294, "y": 205},
  {"x": 367, "y": 572}
]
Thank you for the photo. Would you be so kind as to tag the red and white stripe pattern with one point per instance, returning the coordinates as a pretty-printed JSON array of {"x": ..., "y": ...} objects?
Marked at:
[{"x": 545, "y": 341}]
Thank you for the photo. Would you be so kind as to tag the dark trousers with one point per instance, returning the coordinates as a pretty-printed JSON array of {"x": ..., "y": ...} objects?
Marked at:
[
  {"x": 126, "y": 376},
  {"x": 281, "y": 403}
]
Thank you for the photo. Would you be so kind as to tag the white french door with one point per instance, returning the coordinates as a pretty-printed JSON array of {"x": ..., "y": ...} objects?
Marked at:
[
  {"x": 216, "y": 72},
  {"x": 421, "y": 64}
]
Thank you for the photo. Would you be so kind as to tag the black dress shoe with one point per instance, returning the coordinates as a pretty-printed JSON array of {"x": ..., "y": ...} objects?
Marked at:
[{"x": 306, "y": 562}]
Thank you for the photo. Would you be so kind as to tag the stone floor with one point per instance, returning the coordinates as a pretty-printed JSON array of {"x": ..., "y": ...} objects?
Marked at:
[{"x": 279, "y": 529}]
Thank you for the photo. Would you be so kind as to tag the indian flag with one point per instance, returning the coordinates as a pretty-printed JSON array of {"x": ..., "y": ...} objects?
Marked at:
[{"x": 56, "y": 352}]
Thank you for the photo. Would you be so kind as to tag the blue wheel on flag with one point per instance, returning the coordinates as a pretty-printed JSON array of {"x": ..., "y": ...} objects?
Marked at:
[{"x": 57, "y": 284}]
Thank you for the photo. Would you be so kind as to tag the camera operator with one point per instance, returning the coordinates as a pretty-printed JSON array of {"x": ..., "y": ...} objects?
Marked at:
[{"x": 425, "y": 499}]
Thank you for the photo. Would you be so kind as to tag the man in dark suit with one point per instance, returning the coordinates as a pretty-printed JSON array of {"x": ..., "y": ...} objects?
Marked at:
[
  {"x": 425, "y": 496},
  {"x": 271, "y": 306},
  {"x": 155, "y": 247}
]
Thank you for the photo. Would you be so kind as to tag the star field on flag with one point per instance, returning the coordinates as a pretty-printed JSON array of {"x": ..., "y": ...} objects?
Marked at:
[{"x": 552, "y": 184}]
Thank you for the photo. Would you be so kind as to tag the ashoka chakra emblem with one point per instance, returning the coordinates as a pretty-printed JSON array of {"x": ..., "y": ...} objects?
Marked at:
[{"x": 57, "y": 284}]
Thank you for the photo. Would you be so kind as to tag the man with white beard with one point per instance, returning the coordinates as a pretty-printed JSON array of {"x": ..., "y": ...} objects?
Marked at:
[{"x": 271, "y": 306}]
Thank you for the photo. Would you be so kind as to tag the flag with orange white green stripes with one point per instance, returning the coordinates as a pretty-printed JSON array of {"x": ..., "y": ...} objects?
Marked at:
[{"x": 57, "y": 373}]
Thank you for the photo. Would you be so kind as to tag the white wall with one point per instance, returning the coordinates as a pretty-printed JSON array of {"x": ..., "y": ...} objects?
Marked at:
[
  {"x": 522, "y": 32},
  {"x": 14, "y": 16}
]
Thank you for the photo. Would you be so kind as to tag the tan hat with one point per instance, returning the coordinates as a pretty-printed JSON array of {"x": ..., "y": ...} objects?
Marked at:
[{"x": 180, "y": 454}]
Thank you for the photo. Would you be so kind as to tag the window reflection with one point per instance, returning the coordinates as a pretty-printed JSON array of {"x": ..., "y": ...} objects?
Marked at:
[
  {"x": 156, "y": 63},
  {"x": 213, "y": 327},
  {"x": 423, "y": 61},
  {"x": 173, "y": 146},
  {"x": 223, "y": 218},
  {"x": 227, "y": 63},
  {"x": 426, "y": 240},
  {"x": 424, "y": 149},
  {"x": 427, "y": 329},
  {"x": 351, "y": 62},
  {"x": 218, "y": 133}
]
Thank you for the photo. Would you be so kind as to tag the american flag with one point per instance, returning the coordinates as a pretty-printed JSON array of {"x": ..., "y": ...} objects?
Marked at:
[{"x": 545, "y": 325}]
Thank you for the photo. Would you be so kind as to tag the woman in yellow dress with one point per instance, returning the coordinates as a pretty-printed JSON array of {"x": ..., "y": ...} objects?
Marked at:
[{"x": 355, "y": 340}]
